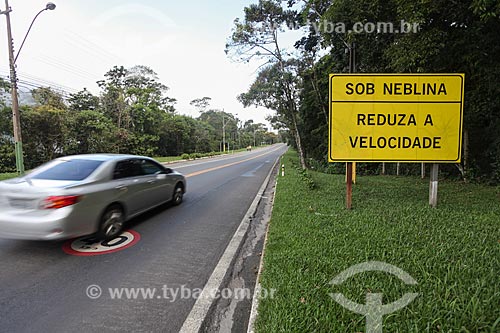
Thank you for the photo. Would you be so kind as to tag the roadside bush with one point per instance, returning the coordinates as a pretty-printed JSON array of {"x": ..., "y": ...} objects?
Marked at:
[
  {"x": 7, "y": 157},
  {"x": 304, "y": 175}
]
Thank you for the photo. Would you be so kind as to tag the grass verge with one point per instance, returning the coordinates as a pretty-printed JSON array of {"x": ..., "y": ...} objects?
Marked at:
[
  {"x": 199, "y": 155},
  {"x": 4, "y": 176},
  {"x": 167, "y": 159},
  {"x": 453, "y": 252}
]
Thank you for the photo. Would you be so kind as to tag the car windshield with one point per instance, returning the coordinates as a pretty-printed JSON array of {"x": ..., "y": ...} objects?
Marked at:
[{"x": 72, "y": 170}]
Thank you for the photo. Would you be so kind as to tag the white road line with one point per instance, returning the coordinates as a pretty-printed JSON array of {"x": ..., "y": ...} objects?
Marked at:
[{"x": 202, "y": 305}]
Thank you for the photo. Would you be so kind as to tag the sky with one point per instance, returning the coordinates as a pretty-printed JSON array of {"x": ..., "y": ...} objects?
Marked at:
[{"x": 74, "y": 45}]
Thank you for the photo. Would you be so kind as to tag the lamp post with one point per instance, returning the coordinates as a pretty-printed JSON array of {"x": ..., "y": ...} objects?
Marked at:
[
  {"x": 223, "y": 132},
  {"x": 16, "y": 120}
]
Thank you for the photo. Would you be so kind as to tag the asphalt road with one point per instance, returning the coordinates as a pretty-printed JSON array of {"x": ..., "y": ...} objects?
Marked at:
[{"x": 43, "y": 289}]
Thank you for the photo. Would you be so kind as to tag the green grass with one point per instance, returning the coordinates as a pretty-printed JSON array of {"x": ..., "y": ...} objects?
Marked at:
[
  {"x": 453, "y": 252},
  {"x": 4, "y": 176},
  {"x": 178, "y": 158},
  {"x": 168, "y": 159}
]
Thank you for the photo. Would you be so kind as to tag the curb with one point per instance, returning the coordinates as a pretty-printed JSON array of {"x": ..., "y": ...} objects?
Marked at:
[
  {"x": 258, "y": 288},
  {"x": 203, "y": 304}
]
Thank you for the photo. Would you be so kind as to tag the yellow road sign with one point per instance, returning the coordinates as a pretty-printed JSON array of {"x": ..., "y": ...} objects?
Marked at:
[{"x": 396, "y": 117}]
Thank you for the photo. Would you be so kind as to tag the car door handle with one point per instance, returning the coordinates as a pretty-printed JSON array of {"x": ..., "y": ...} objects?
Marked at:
[
  {"x": 121, "y": 188},
  {"x": 151, "y": 181}
]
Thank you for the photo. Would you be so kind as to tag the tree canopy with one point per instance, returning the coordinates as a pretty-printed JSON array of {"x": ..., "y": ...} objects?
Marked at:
[
  {"x": 431, "y": 37},
  {"x": 132, "y": 114}
]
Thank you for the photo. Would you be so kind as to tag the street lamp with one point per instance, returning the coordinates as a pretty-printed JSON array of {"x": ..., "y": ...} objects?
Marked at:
[
  {"x": 16, "y": 120},
  {"x": 49, "y": 6}
]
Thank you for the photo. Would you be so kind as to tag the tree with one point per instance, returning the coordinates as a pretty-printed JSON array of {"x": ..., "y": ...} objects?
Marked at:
[
  {"x": 457, "y": 39},
  {"x": 83, "y": 100},
  {"x": 257, "y": 37},
  {"x": 48, "y": 97},
  {"x": 113, "y": 97},
  {"x": 177, "y": 135},
  {"x": 137, "y": 103},
  {"x": 462, "y": 38},
  {"x": 142, "y": 86},
  {"x": 44, "y": 130},
  {"x": 201, "y": 104},
  {"x": 221, "y": 122},
  {"x": 4, "y": 91},
  {"x": 7, "y": 156},
  {"x": 89, "y": 132},
  {"x": 267, "y": 91}
]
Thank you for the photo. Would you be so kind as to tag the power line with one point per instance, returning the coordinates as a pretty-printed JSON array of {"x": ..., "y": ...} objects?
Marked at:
[
  {"x": 30, "y": 85},
  {"x": 90, "y": 47},
  {"x": 38, "y": 81},
  {"x": 67, "y": 68}
]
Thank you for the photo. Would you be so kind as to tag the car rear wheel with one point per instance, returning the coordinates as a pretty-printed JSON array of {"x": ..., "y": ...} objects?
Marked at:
[
  {"x": 178, "y": 195},
  {"x": 112, "y": 222}
]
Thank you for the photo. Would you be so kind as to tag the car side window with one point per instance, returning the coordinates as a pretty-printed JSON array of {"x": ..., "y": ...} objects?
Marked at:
[
  {"x": 151, "y": 168},
  {"x": 127, "y": 169}
]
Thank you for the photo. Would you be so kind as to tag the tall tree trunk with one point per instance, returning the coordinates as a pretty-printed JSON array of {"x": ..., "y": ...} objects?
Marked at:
[
  {"x": 317, "y": 91},
  {"x": 292, "y": 107},
  {"x": 293, "y": 113},
  {"x": 298, "y": 142}
]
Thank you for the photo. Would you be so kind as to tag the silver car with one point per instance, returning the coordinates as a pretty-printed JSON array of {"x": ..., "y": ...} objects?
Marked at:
[{"x": 85, "y": 194}]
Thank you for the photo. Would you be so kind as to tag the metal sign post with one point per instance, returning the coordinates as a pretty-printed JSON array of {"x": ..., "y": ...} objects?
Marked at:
[{"x": 348, "y": 201}]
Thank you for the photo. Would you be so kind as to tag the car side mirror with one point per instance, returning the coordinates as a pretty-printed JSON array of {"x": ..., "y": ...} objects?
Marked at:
[
  {"x": 161, "y": 176},
  {"x": 167, "y": 171}
]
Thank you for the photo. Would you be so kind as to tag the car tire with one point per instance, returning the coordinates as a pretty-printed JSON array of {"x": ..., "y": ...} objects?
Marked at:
[
  {"x": 178, "y": 195},
  {"x": 111, "y": 224}
]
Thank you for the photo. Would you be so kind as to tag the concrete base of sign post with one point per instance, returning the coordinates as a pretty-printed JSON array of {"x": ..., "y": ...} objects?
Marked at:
[{"x": 433, "y": 185}]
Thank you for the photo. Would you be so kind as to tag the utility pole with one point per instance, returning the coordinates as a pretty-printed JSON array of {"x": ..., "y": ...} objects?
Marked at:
[
  {"x": 16, "y": 119},
  {"x": 223, "y": 132},
  {"x": 349, "y": 165},
  {"x": 239, "y": 139},
  {"x": 238, "y": 130}
]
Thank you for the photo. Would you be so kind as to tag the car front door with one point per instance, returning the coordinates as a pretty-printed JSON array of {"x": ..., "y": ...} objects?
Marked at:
[{"x": 160, "y": 186}]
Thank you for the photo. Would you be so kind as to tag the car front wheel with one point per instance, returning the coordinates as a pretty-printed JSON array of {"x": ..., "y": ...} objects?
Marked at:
[
  {"x": 178, "y": 195},
  {"x": 112, "y": 222}
]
